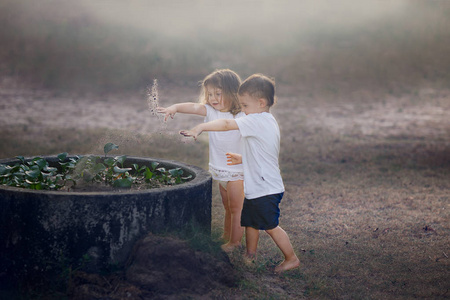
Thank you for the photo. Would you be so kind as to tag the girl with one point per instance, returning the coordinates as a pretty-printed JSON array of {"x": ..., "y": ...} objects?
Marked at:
[
  {"x": 264, "y": 187},
  {"x": 219, "y": 100}
]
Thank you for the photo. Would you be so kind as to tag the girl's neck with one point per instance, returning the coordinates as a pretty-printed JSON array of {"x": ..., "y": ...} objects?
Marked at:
[{"x": 225, "y": 109}]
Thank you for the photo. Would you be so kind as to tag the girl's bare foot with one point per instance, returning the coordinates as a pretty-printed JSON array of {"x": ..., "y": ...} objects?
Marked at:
[
  {"x": 228, "y": 247},
  {"x": 287, "y": 265},
  {"x": 249, "y": 259}
]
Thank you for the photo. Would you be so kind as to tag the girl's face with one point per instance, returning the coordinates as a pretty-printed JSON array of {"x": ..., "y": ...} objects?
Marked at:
[{"x": 215, "y": 99}]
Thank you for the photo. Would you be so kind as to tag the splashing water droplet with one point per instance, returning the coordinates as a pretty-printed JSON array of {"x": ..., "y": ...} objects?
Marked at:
[{"x": 153, "y": 103}]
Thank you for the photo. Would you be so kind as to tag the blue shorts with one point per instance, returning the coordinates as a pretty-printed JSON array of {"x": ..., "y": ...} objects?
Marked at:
[{"x": 261, "y": 213}]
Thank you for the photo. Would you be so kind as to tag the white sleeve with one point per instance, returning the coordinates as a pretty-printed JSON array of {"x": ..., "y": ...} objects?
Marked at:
[
  {"x": 210, "y": 113},
  {"x": 247, "y": 125}
]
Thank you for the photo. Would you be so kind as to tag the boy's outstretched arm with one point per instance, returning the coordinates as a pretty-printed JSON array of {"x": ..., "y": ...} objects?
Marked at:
[
  {"x": 233, "y": 159},
  {"x": 216, "y": 125},
  {"x": 185, "y": 108}
]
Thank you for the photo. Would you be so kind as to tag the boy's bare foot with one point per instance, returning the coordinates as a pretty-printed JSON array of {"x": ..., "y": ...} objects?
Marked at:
[{"x": 287, "y": 265}]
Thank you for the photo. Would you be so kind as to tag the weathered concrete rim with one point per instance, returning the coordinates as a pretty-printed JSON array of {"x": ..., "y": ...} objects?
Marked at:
[{"x": 199, "y": 175}]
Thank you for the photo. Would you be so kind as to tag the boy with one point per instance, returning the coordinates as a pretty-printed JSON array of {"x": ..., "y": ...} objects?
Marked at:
[{"x": 263, "y": 185}]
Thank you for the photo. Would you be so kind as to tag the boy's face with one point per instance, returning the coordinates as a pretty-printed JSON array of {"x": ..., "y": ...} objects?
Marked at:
[
  {"x": 252, "y": 105},
  {"x": 215, "y": 98}
]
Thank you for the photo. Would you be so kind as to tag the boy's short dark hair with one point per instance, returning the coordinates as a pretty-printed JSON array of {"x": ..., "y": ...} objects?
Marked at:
[{"x": 259, "y": 86}]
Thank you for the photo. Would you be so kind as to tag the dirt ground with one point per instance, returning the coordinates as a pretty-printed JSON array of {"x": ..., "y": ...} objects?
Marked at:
[{"x": 367, "y": 203}]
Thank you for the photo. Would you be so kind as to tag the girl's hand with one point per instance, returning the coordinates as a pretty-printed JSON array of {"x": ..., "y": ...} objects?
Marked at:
[
  {"x": 194, "y": 132},
  {"x": 233, "y": 159},
  {"x": 169, "y": 111}
]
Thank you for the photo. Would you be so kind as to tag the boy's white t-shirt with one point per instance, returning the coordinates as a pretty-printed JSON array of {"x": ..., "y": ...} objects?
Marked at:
[
  {"x": 221, "y": 142},
  {"x": 260, "y": 146}
]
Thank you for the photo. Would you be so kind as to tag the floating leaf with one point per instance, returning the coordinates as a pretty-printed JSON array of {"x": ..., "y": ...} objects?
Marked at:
[
  {"x": 30, "y": 182},
  {"x": 62, "y": 156},
  {"x": 121, "y": 170},
  {"x": 20, "y": 168},
  {"x": 148, "y": 173},
  {"x": 37, "y": 186},
  {"x": 98, "y": 168},
  {"x": 176, "y": 172},
  {"x": 21, "y": 158},
  {"x": 139, "y": 169},
  {"x": 33, "y": 173},
  {"x": 40, "y": 162},
  {"x": 120, "y": 159},
  {"x": 50, "y": 169},
  {"x": 162, "y": 170},
  {"x": 3, "y": 169},
  {"x": 123, "y": 183},
  {"x": 109, "y": 146},
  {"x": 109, "y": 161},
  {"x": 44, "y": 174}
]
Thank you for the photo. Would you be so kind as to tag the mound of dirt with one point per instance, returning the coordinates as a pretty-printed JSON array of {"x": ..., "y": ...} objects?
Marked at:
[{"x": 160, "y": 268}]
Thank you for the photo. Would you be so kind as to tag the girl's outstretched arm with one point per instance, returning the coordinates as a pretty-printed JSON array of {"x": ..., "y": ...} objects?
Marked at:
[
  {"x": 185, "y": 108},
  {"x": 233, "y": 158},
  {"x": 216, "y": 125}
]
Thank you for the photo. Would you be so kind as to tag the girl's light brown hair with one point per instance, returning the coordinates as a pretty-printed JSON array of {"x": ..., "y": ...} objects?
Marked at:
[
  {"x": 226, "y": 80},
  {"x": 259, "y": 86}
]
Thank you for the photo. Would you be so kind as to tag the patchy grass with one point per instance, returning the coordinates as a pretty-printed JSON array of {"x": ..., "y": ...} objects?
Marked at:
[{"x": 367, "y": 203}]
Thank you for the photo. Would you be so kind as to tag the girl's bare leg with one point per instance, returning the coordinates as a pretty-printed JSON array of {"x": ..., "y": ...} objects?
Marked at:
[
  {"x": 281, "y": 238},
  {"x": 227, "y": 219},
  {"x": 235, "y": 193}
]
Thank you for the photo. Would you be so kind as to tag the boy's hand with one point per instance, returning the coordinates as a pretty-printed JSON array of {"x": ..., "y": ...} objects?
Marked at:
[
  {"x": 169, "y": 111},
  {"x": 233, "y": 159},
  {"x": 194, "y": 132}
]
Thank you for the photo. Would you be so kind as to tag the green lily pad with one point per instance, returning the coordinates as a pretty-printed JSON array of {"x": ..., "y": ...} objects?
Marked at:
[
  {"x": 123, "y": 183},
  {"x": 109, "y": 146}
]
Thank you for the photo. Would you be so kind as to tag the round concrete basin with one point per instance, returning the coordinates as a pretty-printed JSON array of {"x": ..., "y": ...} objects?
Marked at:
[{"x": 40, "y": 230}]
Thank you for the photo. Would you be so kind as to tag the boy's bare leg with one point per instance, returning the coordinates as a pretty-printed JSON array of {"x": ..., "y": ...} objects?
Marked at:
[
  {"x": 235, "y": 193},
  {"x": 281, "y": 238},
  {"x": 251, "y": 241},
  {"x": 227, "y": 218}
]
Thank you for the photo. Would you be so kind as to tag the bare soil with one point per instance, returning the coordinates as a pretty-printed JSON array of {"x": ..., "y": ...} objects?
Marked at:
[{"x": 367, "y": 202}]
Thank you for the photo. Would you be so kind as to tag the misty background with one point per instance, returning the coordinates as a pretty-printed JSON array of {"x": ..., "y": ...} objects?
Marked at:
[{"x": 327, "y": 46}]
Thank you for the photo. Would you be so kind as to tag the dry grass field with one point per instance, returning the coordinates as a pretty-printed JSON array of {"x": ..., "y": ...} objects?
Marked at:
[{"x": 367, "y": 181}]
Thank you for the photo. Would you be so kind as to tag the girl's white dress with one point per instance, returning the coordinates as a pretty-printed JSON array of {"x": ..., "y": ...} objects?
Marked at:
[{"x": 221, "y": 142}]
